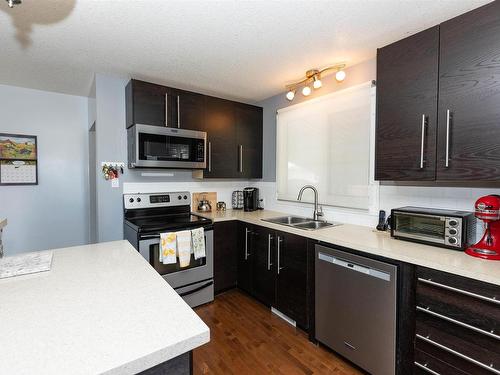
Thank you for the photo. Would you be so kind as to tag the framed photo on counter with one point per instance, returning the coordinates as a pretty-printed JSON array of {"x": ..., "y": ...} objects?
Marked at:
[{"x": 18, "y": 159}]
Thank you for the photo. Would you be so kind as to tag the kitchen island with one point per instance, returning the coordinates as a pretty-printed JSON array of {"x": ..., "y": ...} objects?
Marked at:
[{"x": 101, "y": 309}]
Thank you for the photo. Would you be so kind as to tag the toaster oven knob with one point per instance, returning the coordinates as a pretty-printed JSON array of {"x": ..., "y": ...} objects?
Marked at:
[
  {"x": 453, "y": 223},
  {"x": 453, "y": 231},
  {"x": 179, "y": 197},
  {"x": 452, "y": 240},
  {"x": 131, "y": 200},
  {"x": 138, "y": 200},
  {"x": 185, "y": 197}
]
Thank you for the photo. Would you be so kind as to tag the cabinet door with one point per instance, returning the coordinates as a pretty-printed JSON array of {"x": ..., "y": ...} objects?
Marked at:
[
  {"x": 469, "y": 96},
  {"x": 291, "y": 268},
  {"x": 190, "y": 110},
  {"x": 264, "y": 265},
  {"x": 249, "y": 140},
  {"x": 225, "y": 255},
  {"x": 222, "y": 156},
  {"x": 245, "y": 257},
  {"x": 407, "y": 87},
  {"x": 145, "y": 103}
]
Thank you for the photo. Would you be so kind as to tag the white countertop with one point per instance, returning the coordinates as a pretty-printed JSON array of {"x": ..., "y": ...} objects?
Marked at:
[
  {"x": 101, "y": 309},
  {"x": 3, "y": 223},
  {"x": 371, "y": 241}
]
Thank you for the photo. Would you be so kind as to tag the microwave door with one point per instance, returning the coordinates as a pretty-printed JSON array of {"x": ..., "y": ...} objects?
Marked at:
[
  {"x": 420, "y": 227},
  {"x": 169, "y": 148}
]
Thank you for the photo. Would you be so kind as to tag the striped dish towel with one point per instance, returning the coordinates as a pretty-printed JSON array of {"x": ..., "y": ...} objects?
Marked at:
[
  {"x": 198, "y": 243},
  {"x": 184, "y": 247}
]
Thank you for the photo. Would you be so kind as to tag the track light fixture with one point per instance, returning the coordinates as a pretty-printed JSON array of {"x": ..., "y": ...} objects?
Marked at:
[
  {"x": 314, "y": 76},
  {"x": 12, "y": 3}
]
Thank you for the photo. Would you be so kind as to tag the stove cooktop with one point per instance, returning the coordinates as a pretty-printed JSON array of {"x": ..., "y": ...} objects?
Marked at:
[{"x": 167, "y": 222}]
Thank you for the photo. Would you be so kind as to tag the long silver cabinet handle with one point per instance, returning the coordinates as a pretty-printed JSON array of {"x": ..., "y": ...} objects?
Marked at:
[
  {"x": 458, "y": 354},
  {"x": 458, "y": 322},
  {"x": 280, "y": 240},
  {"x": 269, "y": 264},
  {"x": 425, "y": 368},
  {"x": 246, "y": 243},
  {"x": 241, "y": 158},
  {"x": 178, "y": 111},
  {"x": 166, "y": 110},
  {"x": 448, "y": 120},
  {"x": 461, "y": 291},
  {"x": 422, "y": 143},
  {"x": 210, "y": 156}
]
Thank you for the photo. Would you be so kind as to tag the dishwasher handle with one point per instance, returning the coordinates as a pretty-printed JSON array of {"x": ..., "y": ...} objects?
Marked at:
[{"x": 354, "y": 267}]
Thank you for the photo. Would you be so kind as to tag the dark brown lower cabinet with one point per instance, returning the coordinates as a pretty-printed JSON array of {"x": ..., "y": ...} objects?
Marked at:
[
  {"x": 264, "y": 265},
  {"x": 457, "y": 325},
  {"x": 225, "y": 256},
  {"x": 245, "y": 257},
  {"x": 291, "y": 271}
]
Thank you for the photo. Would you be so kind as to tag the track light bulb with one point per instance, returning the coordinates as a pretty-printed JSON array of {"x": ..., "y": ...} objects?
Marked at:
[
  {"x": 290, "y": 95},
  {"x": 340, "y": 75},
  {"x": 306, "y": 91},
  {"x": 317, "y": 82}
]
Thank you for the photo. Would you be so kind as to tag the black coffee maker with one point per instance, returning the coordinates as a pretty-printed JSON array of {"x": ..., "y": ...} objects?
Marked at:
[{"x": 250, "y": 199}]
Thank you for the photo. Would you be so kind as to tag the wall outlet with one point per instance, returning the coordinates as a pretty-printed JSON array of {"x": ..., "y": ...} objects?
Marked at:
[{"x": 262, "y": 202}]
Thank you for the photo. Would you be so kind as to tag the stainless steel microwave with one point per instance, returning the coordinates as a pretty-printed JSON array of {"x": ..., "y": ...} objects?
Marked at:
[
  {"x": 445, "y": 228},
  {"x": 161, "y": 147}
]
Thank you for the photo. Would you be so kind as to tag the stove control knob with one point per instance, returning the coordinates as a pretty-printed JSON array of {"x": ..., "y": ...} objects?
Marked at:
[
  {"x": 453, "y": 222},
  {"x": 453, "y": 231},
  {"x": 179, "y": 197},
  {"x": 452, "y": 240},
  {"x": 185, "y": 197},
  {"x": 131, "y": 200},
  {"x": 138, "y": 200}
]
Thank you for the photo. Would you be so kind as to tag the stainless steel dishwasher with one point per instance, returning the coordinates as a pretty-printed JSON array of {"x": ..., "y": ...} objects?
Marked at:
[{"x": 356, "y": 308}]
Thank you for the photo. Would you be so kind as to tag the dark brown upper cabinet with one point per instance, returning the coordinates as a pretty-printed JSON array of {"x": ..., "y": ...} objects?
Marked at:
[
  {"x": 469, "y": 96},
  {"x": 407, "y": 86},
  {"x": 249, "y": 140},
  {"x": 438, "y": 91},
  {"x": 222, "y": 157},
  {"x": 146, "y": 104}
]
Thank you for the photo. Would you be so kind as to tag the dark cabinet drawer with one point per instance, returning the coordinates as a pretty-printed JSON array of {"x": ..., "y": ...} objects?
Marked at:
[
  {"x": 425, "y": 364},
  {"x": 479, "y": 347},
  {"x": 467, "y": 301},
  {"x": 457, "y": 324}
]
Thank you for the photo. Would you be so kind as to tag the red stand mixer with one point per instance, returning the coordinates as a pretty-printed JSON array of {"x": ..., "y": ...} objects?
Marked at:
[{"x": 487, "y": 209}]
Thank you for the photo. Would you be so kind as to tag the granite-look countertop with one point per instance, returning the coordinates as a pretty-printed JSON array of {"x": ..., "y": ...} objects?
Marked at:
[
  {"x": 101, "y": 309},
  {"x": 371, "y": 241}
]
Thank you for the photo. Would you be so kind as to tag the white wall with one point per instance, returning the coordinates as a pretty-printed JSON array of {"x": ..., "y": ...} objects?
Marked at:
[{"x": 53, "y": 213}]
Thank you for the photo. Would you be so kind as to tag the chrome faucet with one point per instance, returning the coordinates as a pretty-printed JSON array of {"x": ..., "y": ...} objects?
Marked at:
[{"x": 318, "y": 211}]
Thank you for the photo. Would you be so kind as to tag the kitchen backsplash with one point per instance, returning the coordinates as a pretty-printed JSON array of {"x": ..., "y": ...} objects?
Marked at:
[{"x": 391, "y": 196}]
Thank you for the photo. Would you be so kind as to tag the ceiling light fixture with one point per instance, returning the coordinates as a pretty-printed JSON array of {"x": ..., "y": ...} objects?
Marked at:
[
  {"x": 314, "y": 76},
  {"x": 12, "y": 3}
]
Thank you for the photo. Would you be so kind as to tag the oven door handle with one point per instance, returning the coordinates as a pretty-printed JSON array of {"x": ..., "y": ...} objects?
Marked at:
[
  {"x": 206, "y": 285},
  {"x": 149, "y": 236}
]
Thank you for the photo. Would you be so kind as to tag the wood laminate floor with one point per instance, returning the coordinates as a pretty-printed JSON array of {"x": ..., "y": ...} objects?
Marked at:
[{"x": 246, "y": 338}]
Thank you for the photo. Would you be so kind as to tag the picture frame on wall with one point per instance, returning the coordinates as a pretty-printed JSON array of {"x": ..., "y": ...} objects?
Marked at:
[{"x": 18, "y": 159}]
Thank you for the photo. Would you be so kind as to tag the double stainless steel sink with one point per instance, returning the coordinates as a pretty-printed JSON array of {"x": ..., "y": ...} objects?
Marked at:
[{"x": 300, "y": 222}]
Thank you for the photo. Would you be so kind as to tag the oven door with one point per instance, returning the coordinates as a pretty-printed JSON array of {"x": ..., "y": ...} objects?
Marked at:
[
  {"x": 158, "y": 147},
  {"x": 198, "y": 270}
]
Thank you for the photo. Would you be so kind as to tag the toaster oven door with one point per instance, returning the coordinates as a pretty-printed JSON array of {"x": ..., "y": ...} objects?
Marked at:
[{"x": 429, "y": 228}]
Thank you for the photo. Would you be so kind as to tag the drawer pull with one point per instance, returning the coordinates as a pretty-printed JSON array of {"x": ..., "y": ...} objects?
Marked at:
[
  {"x": 458, "y": 322},
  {"x": 458, "y": 354},
  {"x": 461, "y": 291},
  {"x": 425, "y": 368}
]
